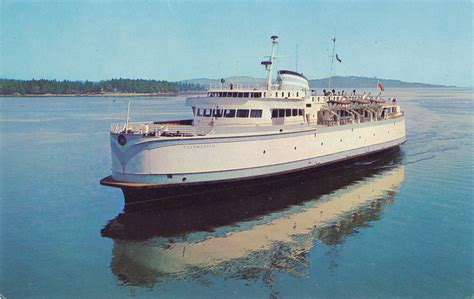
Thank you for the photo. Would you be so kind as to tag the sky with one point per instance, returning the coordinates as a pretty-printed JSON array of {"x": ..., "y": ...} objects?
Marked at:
[{"x": 414, "y": 41}]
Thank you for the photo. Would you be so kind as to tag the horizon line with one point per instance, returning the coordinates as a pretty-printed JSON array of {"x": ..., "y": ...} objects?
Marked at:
[{"x": 242, "y": 76}]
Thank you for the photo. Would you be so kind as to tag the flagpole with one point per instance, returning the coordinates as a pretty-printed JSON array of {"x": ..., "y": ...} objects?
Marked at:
[
  {"x": 128, "y": 116},
  {"x": 332, "y": 61}
]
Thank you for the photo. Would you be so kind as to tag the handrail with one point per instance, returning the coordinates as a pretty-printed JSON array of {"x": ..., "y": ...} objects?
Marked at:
[
  {"x": 162, "y": 129},
  {"x": 257, "y": 86}
]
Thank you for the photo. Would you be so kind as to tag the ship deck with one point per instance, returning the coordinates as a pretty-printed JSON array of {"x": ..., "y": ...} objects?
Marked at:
[{"x": 185, "y": 128}]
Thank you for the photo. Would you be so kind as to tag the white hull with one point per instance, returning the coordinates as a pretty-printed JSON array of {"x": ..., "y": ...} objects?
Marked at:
[{"x": 163, "y": 161}]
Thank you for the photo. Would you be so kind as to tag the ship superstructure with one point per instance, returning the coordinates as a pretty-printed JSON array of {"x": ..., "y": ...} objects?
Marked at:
[{"x": 247, "y": 131}]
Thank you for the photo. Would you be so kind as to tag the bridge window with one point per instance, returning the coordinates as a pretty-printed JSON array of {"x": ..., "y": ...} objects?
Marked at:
[
  {"x": 207, "y": 112},
  {"x": 229, "y": 113},
  {"x": 297, "y": 94},
  {"x": 217, "y": 112},
  {"x": 243, "y": 113},
  {"x": 246, "y": 94},
  {"x": 276, "y": 94},
  {"x": 199, "y": 112},
  {"x": 234, "y": 94},
  {"x": 240, "y": 94},
  {"x": 256, "y": 113},
  {"x": 288, "y": 94},
  {"x": 276, "y": 113}
]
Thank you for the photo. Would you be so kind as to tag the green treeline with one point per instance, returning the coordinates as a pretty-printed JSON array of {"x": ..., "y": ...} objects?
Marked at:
[{"x": 20, "y": 87}]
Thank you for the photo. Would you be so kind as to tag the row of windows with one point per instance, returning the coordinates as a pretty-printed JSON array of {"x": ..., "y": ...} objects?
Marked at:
[
  {"x": 283, "y": 94},
  {"x": 277, "y": 113},
  {"x": 229, "y": 113},
  {"x": 230, "y": 94}
]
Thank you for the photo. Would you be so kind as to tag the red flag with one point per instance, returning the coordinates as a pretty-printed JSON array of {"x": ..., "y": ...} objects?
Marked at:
[{"x": 379, "y": 85}]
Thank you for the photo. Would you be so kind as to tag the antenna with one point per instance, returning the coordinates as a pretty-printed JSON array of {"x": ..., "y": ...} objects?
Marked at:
[
  {"x": 237, "y": 71},
  {"x": 332, "y": 61},
  {"x": 296, "y": 59},
  {"x": 269, "y": 63}
]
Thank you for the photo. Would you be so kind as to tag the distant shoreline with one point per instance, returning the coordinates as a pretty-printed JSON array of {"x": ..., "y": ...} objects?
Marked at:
[
  {"x": 177, "y": 94},
  {"x": 185, "y": 93},
  {"x": 117, "y": 94}
]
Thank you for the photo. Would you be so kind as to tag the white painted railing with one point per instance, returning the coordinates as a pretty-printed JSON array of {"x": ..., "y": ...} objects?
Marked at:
[
  {"x": 257, "y": 86},
  {"x": 161, "y": 129}
]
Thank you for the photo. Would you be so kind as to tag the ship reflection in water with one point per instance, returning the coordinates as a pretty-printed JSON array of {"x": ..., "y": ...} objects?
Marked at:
[{"x": 251, "y": 232}]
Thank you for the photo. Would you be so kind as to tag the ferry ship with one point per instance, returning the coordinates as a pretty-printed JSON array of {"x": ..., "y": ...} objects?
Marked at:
[{"x": 242, "y": 132}]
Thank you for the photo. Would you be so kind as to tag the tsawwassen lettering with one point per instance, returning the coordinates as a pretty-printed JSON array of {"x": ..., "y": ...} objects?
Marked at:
[{"x": 197, "y": 146}]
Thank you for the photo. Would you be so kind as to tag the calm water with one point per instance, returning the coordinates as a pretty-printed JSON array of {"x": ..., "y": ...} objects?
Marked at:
[{"x": 401, "y": 226}]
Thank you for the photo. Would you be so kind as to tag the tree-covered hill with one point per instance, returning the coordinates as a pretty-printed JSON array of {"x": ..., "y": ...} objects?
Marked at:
[{"x": 22, "y": 87}]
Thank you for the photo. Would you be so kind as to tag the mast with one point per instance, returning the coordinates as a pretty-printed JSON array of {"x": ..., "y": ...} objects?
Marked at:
[
  {"x": 332, "y": 61},
  {"x": 296, "y": 59},
  {"x": 128, "y": 116},
  {"x": 269, "y": 63}
]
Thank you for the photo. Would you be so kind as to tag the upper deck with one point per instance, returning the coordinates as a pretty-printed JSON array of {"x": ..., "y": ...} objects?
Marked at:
[
  {"x": 267, "y": 116},
  {"x": 284, "y": 104}
]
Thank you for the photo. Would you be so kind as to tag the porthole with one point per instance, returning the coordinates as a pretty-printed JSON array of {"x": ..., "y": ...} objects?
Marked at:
[
  {"x": 352, "y": 129},
  {"x": 360, "y": 137},
  {"x": 264, "y": 152},
  {"x": 374, "y": 134},
  {"x": 170, "y": 176},
  {"x": 340, "y": 140},
  {"x": 184, "y": 180},
  {"x": 322, "y": 143},
  {"x": 295, "y": 148}
]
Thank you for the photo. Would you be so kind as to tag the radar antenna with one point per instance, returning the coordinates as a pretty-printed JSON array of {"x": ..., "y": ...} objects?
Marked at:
[{"x": 269, "y": 63}]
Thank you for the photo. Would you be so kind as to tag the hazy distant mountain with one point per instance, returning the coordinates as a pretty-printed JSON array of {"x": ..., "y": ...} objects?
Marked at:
[
  {"x": 336, "y": 82},
  {"x": 365, "y": 82}
]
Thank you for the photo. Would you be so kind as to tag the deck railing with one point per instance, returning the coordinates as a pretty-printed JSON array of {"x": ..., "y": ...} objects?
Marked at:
[
  {"x": 257, "y": 86},
  {"x": 351, "y": 120},
  {"x": 151, "y": 129}
]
